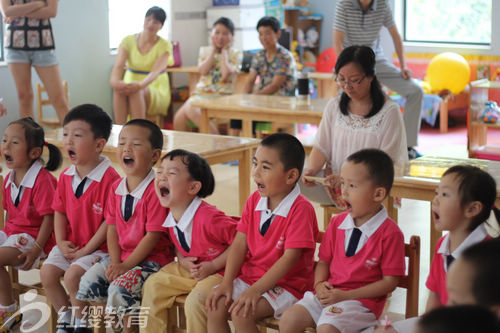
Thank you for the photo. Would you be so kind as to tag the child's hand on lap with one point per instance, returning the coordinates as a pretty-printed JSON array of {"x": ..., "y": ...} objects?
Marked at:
[
  {"x": 323, "y": 288},
  {"x": 333, "y": 296},
  {"x": 68, "y": 249},
  {"x": 115, "y": 270},
  {"x": 246, "y": 302},
  {"x": 201, "y": 271},
  {"x": 29, "y": 257},
  {"x": 221, "y": 290},
  {"x": 187, "y": 262}
]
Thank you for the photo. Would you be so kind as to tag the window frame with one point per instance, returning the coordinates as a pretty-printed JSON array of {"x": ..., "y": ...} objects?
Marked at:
[
  {"x": 1, "y": 40},
  {"x": 403, "y": 23}
]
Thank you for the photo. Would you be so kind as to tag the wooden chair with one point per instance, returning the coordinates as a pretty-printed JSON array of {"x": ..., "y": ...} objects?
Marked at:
[
  {"x": 177, "y": 319},
  {"x": 52, "y": 122}
]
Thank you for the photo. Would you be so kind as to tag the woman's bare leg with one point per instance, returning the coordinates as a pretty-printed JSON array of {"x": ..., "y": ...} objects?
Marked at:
[
  {"x": 51, "y": 79},
  {"x": 137, "y": 105},
  {"x": 21, "y": 72},
  {"x": 120, "y": 107}
]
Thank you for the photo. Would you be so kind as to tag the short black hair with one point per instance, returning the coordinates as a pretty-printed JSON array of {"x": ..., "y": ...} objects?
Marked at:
[
  {"x": 475, "y": 185},
  {"x": 157, "y": 13},
  {"x": 100, "y": 122},
  {"x": 198, "y": 169},
  {"x": 269, "y": 21},
  {"x": 225, "y": 22},
  {"x": 291, "y": 152},
  {"x": 483, "y": 256},
  {"x": 379, "y": 164},
  {"x": 155, "y": 136},
  {"x": 459, "y": 319}
]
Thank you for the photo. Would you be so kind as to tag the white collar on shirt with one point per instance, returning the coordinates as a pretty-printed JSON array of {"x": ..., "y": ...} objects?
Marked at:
[
  {"x": 477, "y": 235},
  {"x": 139, "y": 190},
  {"x": 186, "y": 221},
  {"x": 29, "y": 178},
  {"x": 369, "y": 227},
  {"x": 95, "y": 174},
  {"x": 284, "y": 206}
]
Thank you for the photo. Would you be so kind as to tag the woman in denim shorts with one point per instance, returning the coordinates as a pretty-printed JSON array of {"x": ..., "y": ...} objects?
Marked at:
[{"x": 29, "y": 41}]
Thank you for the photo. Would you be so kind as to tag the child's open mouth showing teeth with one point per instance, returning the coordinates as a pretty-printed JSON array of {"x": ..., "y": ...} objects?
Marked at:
[
  {"x": 71, "y": 153},
  {"x": 8, "y": 158},
  {"x": 128, "y": 161},
  {"x": 164, "y": 191}
]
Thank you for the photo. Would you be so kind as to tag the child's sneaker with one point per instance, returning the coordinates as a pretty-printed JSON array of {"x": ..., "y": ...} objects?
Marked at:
[{"x": 8, "y": 320}]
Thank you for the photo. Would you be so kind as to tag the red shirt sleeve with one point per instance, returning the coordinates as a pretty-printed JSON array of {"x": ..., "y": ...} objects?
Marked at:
[
  {"x": 247, "y": 215},
  {"x": 44, "y": 192},
  {"x": 222, "y": 228},
  {"x": 303, "y": 228},
  {"x": 110, "y": 209},
  {"x": 60, "y": 195},
  {"x": 393, "y": 259}
]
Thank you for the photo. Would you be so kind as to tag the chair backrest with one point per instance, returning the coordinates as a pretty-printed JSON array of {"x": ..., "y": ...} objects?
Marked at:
[
  {"x": 2, "y": 213},
  {"x": 411, "y": 280},
  {"x": 52, "y": 122}
]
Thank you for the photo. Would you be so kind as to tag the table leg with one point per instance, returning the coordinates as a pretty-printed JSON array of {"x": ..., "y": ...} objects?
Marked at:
[
  {"x": 244, "y": 177},
  {"x": 246, "y": 129},
  {"x": 204, "y": 122}
]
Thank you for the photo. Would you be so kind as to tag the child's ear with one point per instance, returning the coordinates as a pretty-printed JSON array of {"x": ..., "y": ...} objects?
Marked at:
[
  {"x": 292, "y": 176},
  {"x": 473, "y": 209},
  {"x": 194, "y": 187},
  {"x": 379, "y": 194},
  {"x": 156, "y": 155},
  {"x": 100, "y": 143},
  {"x": 35, "y": 153}
]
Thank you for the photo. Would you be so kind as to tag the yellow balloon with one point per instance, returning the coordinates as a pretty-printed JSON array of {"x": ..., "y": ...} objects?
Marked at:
[{"x": 448, "y": 70}]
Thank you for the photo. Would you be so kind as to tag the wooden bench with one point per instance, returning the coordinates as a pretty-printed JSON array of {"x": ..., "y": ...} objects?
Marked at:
[{"x": 410, "y": 282}]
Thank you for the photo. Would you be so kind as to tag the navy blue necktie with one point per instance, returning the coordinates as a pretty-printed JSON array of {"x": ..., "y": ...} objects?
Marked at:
[
  {"x": 182, "y": 239},
  {"x": 16, "y": 202},
  {"x": 129, "y": 205},
  {"x": 79, "y": 189},
  {"x": 449, "y": 260},
  {"x": 266, "y": 224},
  {"x": 353, "y": 242}
]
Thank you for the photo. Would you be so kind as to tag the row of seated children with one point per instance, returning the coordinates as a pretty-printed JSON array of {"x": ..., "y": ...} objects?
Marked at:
[
  {"x": 218, "y": 63},
  {"x": 270, "y": 260}
]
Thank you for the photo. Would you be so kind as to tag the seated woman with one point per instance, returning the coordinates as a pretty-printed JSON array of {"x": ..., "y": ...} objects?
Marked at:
[
  {"x": 217, "y": 64},
  {"x": 142, "y": 86},
  {"x": 361, "y": 117}
]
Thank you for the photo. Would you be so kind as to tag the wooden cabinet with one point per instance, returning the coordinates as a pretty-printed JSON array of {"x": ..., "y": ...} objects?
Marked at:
[{"x": 477, "y": 130}]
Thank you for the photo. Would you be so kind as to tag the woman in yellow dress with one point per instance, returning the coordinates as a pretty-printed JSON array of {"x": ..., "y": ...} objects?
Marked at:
[{"x": 139, "y": 78}]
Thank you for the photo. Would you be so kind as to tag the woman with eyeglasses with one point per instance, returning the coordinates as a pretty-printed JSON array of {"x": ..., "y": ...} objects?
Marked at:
[{"x": 362, "y": 116}]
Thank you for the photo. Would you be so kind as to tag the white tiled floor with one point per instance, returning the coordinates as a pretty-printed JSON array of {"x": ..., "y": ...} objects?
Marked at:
[{"x": 413, "y": 216}]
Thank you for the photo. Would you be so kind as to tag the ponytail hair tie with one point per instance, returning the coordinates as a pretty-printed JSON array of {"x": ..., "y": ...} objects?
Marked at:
[{"x": 45, "y": 143}]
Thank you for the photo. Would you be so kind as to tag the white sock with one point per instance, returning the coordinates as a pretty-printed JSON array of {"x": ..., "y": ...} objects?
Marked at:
[
  {"x": 80, "y": 322},
  {"x": 65, "y": 316},
  {"x": 9, "y": 308}
]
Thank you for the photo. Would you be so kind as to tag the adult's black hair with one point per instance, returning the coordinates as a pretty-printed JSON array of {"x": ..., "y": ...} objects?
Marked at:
[
  {"x": 35, "y": 137},
  {"x": 459, "y": 319},
  {"x": 269, "y": 21},
  {"x": 198, "y": 169},
  {"x": 364, "y": 58},
  {"x": 485, "y": 261},
  {"x": 379, "y": 164},
  {"x": 99, "y": 121},
  {"x": 157, "y": 13},
  {"x": 155, "y": 136},
  {"x": 225, "y": 22},
  {"x": 476, "y": 185},
  {"x": 290, "y": 149}
]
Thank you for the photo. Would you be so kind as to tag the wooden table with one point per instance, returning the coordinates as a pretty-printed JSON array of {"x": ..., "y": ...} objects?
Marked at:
[
  {"x": 327, "y": 87},
  {"x": 278, "y": 109},
  {"x": 214, "y": 148},
  {"x": 420, "y": 177}
]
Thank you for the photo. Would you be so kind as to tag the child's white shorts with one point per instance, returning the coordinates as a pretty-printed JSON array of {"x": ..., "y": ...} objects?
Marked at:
[
  {"x": 279, "y": 298},
  {"x": 57, "y": 259},
  {"x": 346, "y": 316},
  {"x": 23, "y": 242}
]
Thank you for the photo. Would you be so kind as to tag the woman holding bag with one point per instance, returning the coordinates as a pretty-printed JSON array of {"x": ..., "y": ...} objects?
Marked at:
[{"x": 139, "y": 77}]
